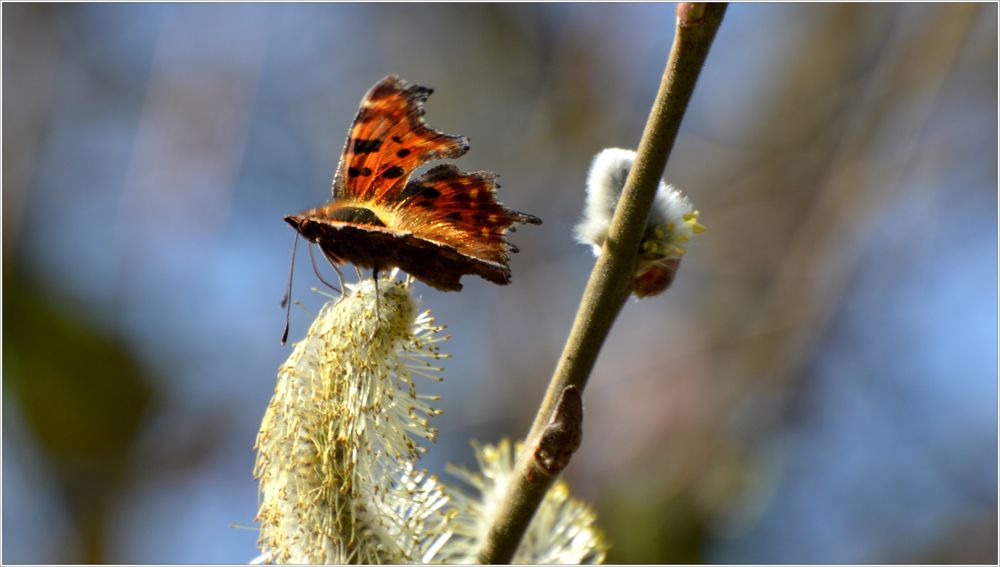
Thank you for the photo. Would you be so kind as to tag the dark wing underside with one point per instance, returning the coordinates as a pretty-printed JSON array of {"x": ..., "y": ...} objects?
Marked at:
[{"x": 439, "y": 266}]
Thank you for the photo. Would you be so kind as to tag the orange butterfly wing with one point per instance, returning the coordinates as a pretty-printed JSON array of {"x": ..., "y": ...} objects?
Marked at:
[
  {"x": 388, "y": 140},
  {"x": 459, "y": 209}
]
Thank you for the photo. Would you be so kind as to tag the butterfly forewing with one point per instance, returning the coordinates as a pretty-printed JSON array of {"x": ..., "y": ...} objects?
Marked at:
[{"x": 388, "y": 140}]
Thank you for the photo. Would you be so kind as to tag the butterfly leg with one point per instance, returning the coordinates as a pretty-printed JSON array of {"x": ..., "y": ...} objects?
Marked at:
[{"x": 378, "y": 315}]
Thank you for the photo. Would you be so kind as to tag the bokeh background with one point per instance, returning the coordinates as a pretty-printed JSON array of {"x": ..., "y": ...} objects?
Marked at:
[{"x": 819, "y": 385}]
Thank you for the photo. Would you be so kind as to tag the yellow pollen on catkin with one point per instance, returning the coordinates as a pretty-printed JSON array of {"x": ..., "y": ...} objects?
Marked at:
[
  {"x": 562, "y": 531},
  {"x": 338, "y": 442},
  {"x": 692, "y": 220}
]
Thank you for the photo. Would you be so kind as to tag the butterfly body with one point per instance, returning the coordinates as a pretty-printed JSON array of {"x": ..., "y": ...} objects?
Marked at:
[
  {"x": 437, "y": 227},
  {"x": 378, "y": 247}
]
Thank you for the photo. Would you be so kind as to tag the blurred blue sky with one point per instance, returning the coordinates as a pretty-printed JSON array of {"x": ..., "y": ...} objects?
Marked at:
[{"x": 151, "y": 151}]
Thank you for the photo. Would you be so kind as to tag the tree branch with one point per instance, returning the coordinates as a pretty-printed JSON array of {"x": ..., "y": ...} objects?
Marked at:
[{"x": 610, "y": 281}]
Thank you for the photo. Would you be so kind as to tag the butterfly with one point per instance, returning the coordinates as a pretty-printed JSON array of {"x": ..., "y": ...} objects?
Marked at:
[{"x": 438, "y": 226}]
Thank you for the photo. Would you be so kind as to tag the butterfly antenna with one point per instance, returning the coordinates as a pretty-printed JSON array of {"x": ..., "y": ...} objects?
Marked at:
[
  {"x": 288, "y": 290},
  {"x": 312, "y": 258}
]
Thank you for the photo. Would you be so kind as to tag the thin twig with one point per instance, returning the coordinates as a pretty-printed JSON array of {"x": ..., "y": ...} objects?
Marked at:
[{"x": 610, "y": 280}]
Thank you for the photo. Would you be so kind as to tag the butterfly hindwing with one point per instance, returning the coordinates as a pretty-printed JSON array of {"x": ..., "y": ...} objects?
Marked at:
[{"x": 460, "y": 209}]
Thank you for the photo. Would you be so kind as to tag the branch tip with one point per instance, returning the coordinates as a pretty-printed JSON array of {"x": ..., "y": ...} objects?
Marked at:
[{"x": 690, "y": 13}]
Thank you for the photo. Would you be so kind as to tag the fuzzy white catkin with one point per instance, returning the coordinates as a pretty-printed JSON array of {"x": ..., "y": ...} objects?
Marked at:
[
  {"x": 338, "y": 442},
  {"x": 672, "y": 220},
  {"x": 563, "y": 530}
]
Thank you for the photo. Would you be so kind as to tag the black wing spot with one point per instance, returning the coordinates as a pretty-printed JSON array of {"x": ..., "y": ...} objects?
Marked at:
[
  {"x": 393, "y": 172},
  {"x": 414, "y": 189},
  {"x": 403, "y": 152},
  {"x": 355, "y": 172},
  {"x": 456, "y": 216},
  {"x": 397, "y": 139},
  {"x": 362, "y": 146}
]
